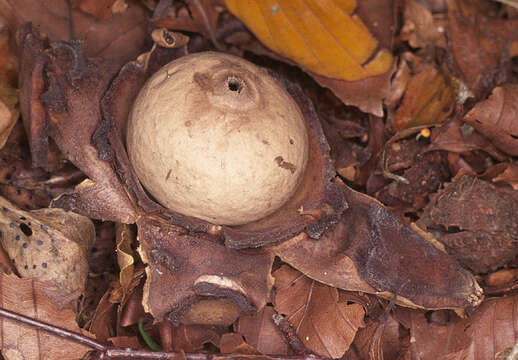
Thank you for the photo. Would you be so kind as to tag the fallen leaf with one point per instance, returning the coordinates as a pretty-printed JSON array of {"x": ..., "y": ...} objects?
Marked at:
[
  {"x": 325, "y": 325},
  {"x": 340, "y": 69},
  {"x": 489, "y": 331},
  {"x": 119, "y": 37},
  {"x": 125, "y": 236},
  {"x": 261, "y": 332},
  {"x": 199, "y": 16},
  {"x": 100, "y": 9},
  {"x": 476, "y": 221},
  {"x": 422, "y": 28},
  {"x": 385, "y": 344},
  {"x": 478, "y": 40},
  {"x": 9, "y": 65},
  {"x": 429, "y": 99},
  {"x": 326, "y": 37},
  {"x": 501, "y": 278},
  {"x": 190, "y": 338},
  {"x": 28, "y": 297},
  {"x": 232, "y": 343},
  {"x": 48, "y": 244},
  {"x": 9, "y": 112},
  {"x": 497, "y": 118}
]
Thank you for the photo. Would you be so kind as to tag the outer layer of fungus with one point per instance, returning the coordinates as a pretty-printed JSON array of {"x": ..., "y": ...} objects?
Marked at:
[
  {"x": 216, "y": 137},
  {"x": 328, "y": 231}
]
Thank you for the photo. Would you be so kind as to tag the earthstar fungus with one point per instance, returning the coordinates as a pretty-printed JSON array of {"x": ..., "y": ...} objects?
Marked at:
[{"x": 328, "y": 231}]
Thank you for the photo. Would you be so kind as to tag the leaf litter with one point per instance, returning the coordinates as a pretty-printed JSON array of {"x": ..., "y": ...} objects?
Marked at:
[{"x": 382, "y": 271}]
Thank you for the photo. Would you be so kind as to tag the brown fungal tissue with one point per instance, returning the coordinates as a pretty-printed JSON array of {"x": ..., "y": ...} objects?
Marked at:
[{"x": 213, "y": 136}]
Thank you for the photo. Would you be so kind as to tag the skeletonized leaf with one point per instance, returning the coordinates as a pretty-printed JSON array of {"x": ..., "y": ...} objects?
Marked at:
[
  {"x": 29, "y": 298},
  {"x": 325, "y": 37},
  {"x": 325, "y": 324}
]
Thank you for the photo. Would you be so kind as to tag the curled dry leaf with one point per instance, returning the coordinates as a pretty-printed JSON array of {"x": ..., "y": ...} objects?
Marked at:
[
  {"x": 260, "y": 332},
  {"x": 28, "y": 297},
  {"x": 476, "y": 221},
  {"x": 125, "y": 236},
  {"x": 48, "y": 244},
  {"x": 497, "y": 118},
  {"x": 325, "y": 324},
  {"x": 509, "y": 175}
]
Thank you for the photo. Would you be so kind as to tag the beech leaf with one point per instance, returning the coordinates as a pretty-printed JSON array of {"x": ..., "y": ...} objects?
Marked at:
[
  {"x": 28, "y": 297},
  {"x": 497, "y": 118},
  {"x": 325, "y": 37},
  {"x": 325, "y": 324}
]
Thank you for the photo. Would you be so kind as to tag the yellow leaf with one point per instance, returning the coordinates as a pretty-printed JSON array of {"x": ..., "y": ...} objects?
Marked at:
[{"x": 323, "y": 36}]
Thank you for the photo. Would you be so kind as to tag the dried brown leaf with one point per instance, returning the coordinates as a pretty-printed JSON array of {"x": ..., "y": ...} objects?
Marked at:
[
  {"x": 101, "y": 9},
  {"x": 232, "y": 343},
  {"x": 489, "y": 331},
  {"x": 48, "y": 244},
  {"x": 429, "y": 99},
  {"x": 478, "y": 40},
  {"x": 125, "y": 236},
  {"x": 28, "y": 297},
  {"x": 421, "y": 28},
  {"x": 261, "y": 332},
  {"x": 190, "y": 338},
  {"x": 119, "y": 37},
  {"x": 199, "y": 16},
  {"x": 497, "y": 118},
  {"x": 325, "y": 325}
]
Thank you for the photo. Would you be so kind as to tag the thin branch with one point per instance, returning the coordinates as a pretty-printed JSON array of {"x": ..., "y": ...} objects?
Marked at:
[{"x": 106, "y": 352}]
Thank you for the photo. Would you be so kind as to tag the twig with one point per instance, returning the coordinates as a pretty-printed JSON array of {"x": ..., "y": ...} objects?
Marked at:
[
  {"x": 105, "y": 352},
  {"x": 290, "y": 334}
]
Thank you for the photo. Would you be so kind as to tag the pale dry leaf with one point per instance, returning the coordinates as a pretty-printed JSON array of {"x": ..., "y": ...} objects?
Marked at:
[
  {"x": 28, "y": 297},
  {"x": 325, "y": 325},
  {"x": 125, "y": 235},
  {"x": 47, "y": 244}
]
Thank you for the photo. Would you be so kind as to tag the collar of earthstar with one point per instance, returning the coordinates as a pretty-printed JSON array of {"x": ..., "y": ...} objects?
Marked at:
[{"x": 328, "y": 231}]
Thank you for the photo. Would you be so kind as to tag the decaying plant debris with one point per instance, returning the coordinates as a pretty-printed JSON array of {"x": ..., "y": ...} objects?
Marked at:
[{"x": 334, "y": 242}]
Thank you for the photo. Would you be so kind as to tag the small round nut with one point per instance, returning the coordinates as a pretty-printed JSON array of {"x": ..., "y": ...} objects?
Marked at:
[{"x": 216, "y": 137}]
